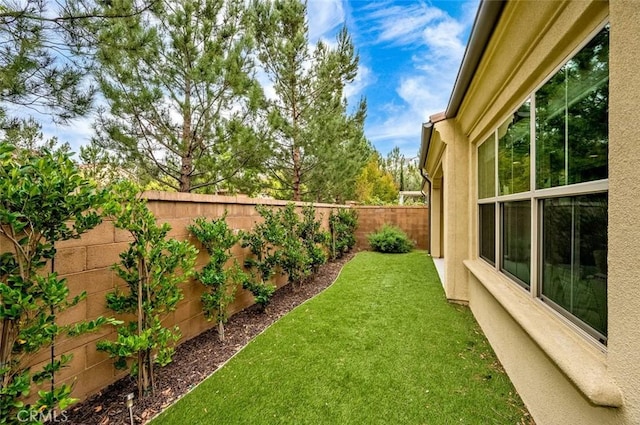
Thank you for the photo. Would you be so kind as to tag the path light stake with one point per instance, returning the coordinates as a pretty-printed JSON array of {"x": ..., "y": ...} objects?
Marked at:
[{"x": 130, "y": 406}]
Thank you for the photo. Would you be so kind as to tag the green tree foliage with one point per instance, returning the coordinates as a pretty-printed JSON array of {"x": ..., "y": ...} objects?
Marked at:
[
  {"x": 152, "y": 267},
  {"x": 222, "y": 281},
  {"x": 342, "y": 226},
  {"x": 390, "y": 239},
  {"x": 44, "y": 200},
  {"x": 405, "y": 172},
  {"x": 264, "y": 242},
  {"x": 34, "y": 38},
  {"x": 45, "y": 55},
  {"x": 307, "y": 115},
  {"x": 345, "y": 154},
  {"x": 313, "y": 238},
  {"x": 375, "y": 185},
  {"x": 183, "y": 100},
  {"x": 285, "y": 242},
  {"x": 294, "y": 260}
]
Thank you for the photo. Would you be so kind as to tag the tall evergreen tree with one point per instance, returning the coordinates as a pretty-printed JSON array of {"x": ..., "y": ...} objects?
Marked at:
[
  {"x": 345, "y": 153},
  {"x": 405, "y": 171},
  {"x": 182, "y": 96},
  {"x": 307, "y": 116},
  {"x": 45, "y": 56}
]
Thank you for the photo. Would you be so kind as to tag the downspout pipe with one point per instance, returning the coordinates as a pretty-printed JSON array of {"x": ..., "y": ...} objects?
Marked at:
[{"x": 426, "y": 140}]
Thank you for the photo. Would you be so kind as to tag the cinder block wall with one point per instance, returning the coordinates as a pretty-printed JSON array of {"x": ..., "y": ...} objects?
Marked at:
[
  {"x": 414, "y": 220},
  {"x": 86, "y": 264}
]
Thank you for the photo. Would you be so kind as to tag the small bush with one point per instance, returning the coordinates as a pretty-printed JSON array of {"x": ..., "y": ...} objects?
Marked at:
[
  {"x": 390, "y": 239},
  {"x": 342, "y": 225}
]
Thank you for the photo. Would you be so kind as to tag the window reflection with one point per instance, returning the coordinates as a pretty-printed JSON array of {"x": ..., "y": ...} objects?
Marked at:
[
  {"x": 516, "y": 240},
  {"x": 488, "y": 232},
  {"x": 572, "y": 119},
  {"x": 487, "y": 168},
  {"x": 574, "y": 254},
  {"x": 513, "y": 151}
]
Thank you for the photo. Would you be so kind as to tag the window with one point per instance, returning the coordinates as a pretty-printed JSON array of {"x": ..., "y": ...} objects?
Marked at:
[
  {"x": 488, "y": 232},
  {"x": 574, "y": 258},
  {"x": 571, "y": 119},
  {"x": 516, "y": 240},
  {"x": 560, "y": 220},
  {"x": 513, "y": 152},
  {"x": 487, "y": 168}
]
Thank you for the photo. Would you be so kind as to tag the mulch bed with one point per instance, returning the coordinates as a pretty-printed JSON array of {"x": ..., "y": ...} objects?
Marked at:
[{"x": 197, "y": 358}]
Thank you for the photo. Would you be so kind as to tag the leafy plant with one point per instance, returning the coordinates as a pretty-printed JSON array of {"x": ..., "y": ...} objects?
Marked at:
[
  {"x": 152, "y": 267},
  {"x": 264, "y": 242},
  {"x": 43, "y": 200},
  {"x": 218, "y": 239},
  {"x": 313, "y": 237},
  {"x": 342, "y": 225},
  {"x": 390, "y": 239},
  {"x": 294, "y": 259}
]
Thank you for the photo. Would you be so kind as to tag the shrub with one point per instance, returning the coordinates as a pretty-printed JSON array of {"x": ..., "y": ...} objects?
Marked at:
[
  {"x": 283, "y": 242},
  {"x": 390, "y": 239},
  {"x": 313, "y": 238},
  {"x": 152, "y": 267},
  {"x": 342, "y": 225},
  {"x": 264, "y": 242},
  {"x": 294, "y": 260},
  {"x": 44, "y": 200},
  {"x": 218, "y": 239}
]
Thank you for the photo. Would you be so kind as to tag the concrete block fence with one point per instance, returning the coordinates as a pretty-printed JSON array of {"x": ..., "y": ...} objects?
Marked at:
[{"x": 86, "y": 263}]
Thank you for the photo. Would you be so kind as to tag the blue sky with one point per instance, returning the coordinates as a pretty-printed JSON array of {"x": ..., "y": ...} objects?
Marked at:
[{"x": 410, "y": 52}]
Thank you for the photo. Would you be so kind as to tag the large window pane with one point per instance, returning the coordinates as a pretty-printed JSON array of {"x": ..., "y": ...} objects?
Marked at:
[
  {"x": 574, "y": 257},
  {"x": 487, "y": 168},
  {"x": 516, "y": 240},
  {"x": 572, "y": 119},
  {"x": 513, "y": 152},
  {"x": 488, "y": 232}
]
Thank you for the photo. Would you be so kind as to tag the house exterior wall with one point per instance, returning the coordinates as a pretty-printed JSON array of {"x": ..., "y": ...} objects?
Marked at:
[{"x": 562, "y": 375}]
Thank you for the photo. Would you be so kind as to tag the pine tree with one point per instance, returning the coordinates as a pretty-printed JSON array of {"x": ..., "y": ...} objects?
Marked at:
[
  {"x": 308, "y": 120},
  {"x": 405, "y": 171},
  {"x": 182, "y": 96}
]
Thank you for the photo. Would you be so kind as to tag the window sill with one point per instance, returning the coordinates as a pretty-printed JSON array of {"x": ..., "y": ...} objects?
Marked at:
[{"x": 580, "y": 361}]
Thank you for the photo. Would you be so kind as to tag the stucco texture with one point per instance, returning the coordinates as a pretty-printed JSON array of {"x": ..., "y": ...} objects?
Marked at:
[{"x": 562, "y": 375}]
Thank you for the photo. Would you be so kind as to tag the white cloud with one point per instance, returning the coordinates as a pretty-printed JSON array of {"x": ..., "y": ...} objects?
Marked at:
[
  {"x": 444, "y": 39},
  {"x": 364, "y": 78},
  {"x": 323, "y": 17},
  {"x": 402, "y": 24},
  {"x": 437, "y": 42}
]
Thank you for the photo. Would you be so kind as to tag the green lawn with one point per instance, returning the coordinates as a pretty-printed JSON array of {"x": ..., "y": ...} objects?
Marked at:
[{"x": 380, "y": 346}]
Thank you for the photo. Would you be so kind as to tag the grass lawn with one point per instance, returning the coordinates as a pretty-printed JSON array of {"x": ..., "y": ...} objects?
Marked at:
[{"x": 380, "y": 346}]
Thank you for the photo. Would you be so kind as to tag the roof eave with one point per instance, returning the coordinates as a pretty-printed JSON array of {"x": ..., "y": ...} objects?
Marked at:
[{"x": 488, "y": 15}]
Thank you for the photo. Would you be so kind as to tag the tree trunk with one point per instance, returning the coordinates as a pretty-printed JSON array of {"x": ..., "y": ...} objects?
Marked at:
[
  {"x": 220, "y": 331},
  {"x": 297, "y": 166},
  {"x": 6, "y": 347},
  {"x": 185, "y": 173},
  {"x": 187, "y": 149},
  {"x": 141, "y": 371}
]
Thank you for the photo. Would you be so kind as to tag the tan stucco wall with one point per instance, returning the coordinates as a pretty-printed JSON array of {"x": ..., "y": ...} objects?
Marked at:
[
  {"x": 562, "y": 375},
  {"x": 455, "y": 197},
  {"x": 624, "y": 204}
]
